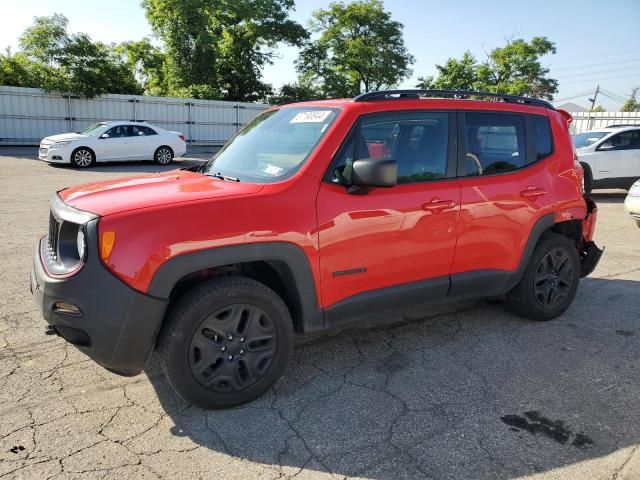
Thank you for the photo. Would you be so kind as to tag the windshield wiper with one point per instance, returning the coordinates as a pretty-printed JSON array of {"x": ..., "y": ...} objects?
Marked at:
[{"x": 222, "y": 177}]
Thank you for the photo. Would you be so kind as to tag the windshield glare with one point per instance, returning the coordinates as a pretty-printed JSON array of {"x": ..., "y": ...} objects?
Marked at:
[
  {"x": 588, "y": 138},
  {"x": 94, "y": 129},
  {"x": 274, "y": 145}
]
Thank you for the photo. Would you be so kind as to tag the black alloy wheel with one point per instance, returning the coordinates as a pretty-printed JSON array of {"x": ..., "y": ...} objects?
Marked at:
[
  {"x": 232, "y": 348},
  {"x": 553, "y": 279}
]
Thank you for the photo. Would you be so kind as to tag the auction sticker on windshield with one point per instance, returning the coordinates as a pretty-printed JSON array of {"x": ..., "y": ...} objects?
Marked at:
[{"x": 313, "y": 116}]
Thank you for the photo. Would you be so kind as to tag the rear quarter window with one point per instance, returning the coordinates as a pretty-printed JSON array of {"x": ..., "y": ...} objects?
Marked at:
[{"x": 542, "y": 137}]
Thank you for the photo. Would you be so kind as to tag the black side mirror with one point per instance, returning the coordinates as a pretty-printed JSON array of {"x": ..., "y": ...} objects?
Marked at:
[{"x": 374, "y": 172}]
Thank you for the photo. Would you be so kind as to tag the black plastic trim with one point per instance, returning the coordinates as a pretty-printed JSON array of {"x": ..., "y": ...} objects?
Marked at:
[
  {"x": 120, "y": 322},
  {"x": 287, "y": 254},
  {"x": 389, "y": 298},
  {"x": 456, "y": 94}
]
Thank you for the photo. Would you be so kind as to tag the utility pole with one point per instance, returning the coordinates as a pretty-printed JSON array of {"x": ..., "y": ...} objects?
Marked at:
[
  {"x": 593, "y": 100},
  {"x": 593, "y": 105}
]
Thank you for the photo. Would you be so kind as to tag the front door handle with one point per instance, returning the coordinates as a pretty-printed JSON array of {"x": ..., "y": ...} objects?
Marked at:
[
  {"x": 532, "y": 192},
  {"x": 437, "y": 205}
]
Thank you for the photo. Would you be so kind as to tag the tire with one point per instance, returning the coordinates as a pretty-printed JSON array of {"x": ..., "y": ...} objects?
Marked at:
[
  {"x": 550, "y": 281},
  {"x": 225, "y": 342},
  {"x": 163, "y": 155},
  {"x": 82, "y": 157},
  {"x": 588, "y": 178}
]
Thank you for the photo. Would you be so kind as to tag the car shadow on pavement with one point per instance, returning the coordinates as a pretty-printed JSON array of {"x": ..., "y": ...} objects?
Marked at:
[{"x": 464, "y": 391}]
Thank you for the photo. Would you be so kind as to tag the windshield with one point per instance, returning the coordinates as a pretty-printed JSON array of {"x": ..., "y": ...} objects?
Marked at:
[
  {"x": 273, "y": 146},
  {"x": 588, "y": 138},
  {"x": 94, "y": 129}
]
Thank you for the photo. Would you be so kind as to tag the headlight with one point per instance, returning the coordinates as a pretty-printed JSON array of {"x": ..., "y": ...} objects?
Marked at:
[
  {"x": 634, "y": 191},
  {"x": 81, "y": 244},
  {"x": 61, "y": 144}
]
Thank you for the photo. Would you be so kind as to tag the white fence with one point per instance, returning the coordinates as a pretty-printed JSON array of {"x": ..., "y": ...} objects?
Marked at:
[
  {"x": 29, "y": 114},
  {"x": 583, "y": 121}
]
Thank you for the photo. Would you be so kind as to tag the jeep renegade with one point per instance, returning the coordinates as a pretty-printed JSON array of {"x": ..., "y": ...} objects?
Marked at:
[{"x": 313, "y": 214}]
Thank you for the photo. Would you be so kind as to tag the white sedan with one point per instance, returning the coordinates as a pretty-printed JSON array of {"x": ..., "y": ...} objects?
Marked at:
[
  {"x": 113, "y": 141},
  {"x": 632, "y": 202},
  {"x": 610, "y": 157}
]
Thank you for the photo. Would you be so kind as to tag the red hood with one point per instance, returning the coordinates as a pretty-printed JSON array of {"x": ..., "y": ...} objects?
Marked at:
[{"x": 114, "y": 196}]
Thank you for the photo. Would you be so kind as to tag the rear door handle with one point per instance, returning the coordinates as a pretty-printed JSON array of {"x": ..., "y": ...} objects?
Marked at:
[
  {"x": 436, "y": 205},
  {"x": 532, "y": 192}
]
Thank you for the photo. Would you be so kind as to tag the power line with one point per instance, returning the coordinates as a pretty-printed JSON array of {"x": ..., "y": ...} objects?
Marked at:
[
  {"x": 580, "y": 67},
  {"x": 599, "y": 79},
  {"x": 608, "y": 70},
  {"x": 613, "y": 96},
  {"x": 617, "y": 94},
  {"x": 575, "y": 95}
]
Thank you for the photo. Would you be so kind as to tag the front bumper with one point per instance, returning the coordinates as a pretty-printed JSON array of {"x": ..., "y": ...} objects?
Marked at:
[
  {"x": 632, "y": 206},
  {"x": 54, "y": 155},
  {"x": 116, "y": 326}
]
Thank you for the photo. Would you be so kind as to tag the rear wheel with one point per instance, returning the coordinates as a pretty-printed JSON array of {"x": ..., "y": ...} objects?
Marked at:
[
  {"x": 163, "y": 156},
  {"x": 226, "y": 342},
  {"x": 550, "y": 281},
  {"x": 82, "y": 157}
]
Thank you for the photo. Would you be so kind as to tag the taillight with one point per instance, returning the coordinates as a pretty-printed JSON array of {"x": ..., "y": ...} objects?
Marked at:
[{"x": 181, "y": 137}]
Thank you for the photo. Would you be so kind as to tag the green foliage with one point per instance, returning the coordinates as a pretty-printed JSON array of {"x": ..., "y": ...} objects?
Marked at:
[
  {"x": 294, "y": 92},
  {"x": 218, "y": 49},
  {"x": 514, "y": 69},
  {"x": 598, "y": 108},
  {"x": 360, "y": 48},
  {"x": 148, "y": 63},
  {"x": 52, "y": 59},
  {"x": 632, "y": 104}
]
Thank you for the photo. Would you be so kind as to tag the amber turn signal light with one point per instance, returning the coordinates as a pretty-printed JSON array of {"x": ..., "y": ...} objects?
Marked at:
[{"x": 107, "y": 242}]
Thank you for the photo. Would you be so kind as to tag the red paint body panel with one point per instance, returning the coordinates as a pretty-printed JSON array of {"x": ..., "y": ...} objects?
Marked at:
[
  {"x": 387, "y": 231},
  {"x": 168, "y": 188}
]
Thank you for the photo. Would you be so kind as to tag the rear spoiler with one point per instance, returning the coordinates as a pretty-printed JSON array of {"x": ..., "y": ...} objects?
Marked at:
[{"x": 566, "y": 115}]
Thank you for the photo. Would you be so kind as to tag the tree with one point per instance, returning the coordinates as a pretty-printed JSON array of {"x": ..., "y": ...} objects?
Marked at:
[
  {"x": 148, "y": 63},
  {"x": 453, "y": 75},
  {"x": 360, "y": 48},
  {"x": 598, "y": 108},
  {"x": 52, "y": 59},
  {"x": 632, "y": 104},
  {"x": 218, "y": 49},
  {"x": 293, "y": 92},
  {"x": 514, "y": 69}
]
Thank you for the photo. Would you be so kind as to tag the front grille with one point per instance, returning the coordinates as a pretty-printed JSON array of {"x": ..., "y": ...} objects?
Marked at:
[{"x": 52, "y": 239}]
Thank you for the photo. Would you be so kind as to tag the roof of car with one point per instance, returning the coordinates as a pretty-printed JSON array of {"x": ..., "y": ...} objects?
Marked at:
[
  {"x": 611, "y": 129},
  {"x": 123, "y": 122}
]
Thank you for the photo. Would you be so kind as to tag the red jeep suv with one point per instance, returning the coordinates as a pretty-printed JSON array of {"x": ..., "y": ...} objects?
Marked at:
[{"x": 313, "y": 214}]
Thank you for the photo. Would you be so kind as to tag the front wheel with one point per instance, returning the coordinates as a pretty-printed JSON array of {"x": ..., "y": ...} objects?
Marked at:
[
  {"x": 550, "y": 281},
  {"x": 225, "y": 342},
  {"x": 163, "y": 156},
  {"x": 82, "y": 157}
]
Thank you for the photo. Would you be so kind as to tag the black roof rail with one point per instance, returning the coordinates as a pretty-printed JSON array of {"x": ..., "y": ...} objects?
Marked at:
[
  {"x": 462, "y": 94},
  {"x": 622, "y": 125}
]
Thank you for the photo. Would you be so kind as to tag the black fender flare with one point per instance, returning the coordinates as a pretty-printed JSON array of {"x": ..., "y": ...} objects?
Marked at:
[
  {"x": 291, "y": 257},
  {"x": 543, "y": 224}
]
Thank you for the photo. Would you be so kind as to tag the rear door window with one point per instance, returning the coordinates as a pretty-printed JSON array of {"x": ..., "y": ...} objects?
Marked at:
[{"x": 495, "y": 143}]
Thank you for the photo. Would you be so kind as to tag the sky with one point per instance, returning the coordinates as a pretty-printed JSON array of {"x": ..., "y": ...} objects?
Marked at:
[{"x": 598, "y": 43}]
